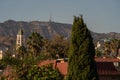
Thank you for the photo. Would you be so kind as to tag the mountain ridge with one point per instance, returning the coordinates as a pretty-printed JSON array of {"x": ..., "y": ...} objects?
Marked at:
[{"x": 47, "y": 29}]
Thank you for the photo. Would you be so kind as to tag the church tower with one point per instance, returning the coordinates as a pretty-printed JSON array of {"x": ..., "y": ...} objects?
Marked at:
[{"x": 20, "y": 39}]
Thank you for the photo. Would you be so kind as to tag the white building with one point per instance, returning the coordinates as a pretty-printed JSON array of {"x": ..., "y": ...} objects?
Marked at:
[
  {"x": 20, "y": 39},
  {"x": 1, "y": 54},
  {"x": 98, "y": 45}
]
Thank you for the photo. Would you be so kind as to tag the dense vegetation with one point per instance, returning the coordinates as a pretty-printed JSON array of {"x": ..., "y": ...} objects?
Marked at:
[
  {"x": 81, "y": 64},
  {"x": 110, "y": 48},
  {"x": 24, "y": 65}
]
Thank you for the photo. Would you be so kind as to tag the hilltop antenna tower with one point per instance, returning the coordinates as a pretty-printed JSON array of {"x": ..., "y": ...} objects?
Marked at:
[{"x": 50, "y": 19}]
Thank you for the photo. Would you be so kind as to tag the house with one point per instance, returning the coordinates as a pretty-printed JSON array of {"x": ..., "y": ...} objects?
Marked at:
[
  {"x": 1, "y": 54},
  {"x": 108, "y": 68}
]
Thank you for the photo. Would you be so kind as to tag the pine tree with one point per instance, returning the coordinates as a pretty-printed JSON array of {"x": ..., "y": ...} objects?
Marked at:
[{"x": 81, "y": 65}]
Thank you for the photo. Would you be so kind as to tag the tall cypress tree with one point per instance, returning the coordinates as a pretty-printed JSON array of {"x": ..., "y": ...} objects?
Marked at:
[{"x": 81, "y": 65}]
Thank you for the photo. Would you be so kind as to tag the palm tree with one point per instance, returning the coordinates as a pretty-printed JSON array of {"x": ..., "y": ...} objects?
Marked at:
[{"x": 35, "y": 43}]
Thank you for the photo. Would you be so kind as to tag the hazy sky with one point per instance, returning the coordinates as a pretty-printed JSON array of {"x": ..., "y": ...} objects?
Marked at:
[{"x": 99, "y": 15}]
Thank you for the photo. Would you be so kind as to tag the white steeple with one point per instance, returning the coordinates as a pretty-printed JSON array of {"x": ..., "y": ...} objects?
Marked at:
[
  {"x": 20, "y": 39},
  {"x": 1, "y": 54}
]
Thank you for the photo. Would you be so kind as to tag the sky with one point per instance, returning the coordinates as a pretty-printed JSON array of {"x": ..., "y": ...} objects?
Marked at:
[{"x": 101, "y": 16}]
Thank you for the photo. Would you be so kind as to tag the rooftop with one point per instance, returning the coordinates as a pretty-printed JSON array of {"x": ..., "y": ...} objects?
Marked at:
[{"x": 105, "y": 66}]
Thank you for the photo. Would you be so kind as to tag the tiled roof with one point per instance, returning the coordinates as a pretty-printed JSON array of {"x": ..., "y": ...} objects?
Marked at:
[
  {"x": 107, "y": 68},
  {"x": 107, "y": 60},
  {"x": 7, "y": 71},
  {"x": 62, "y": 67},
  {"x": 47, "y": 62},
  {"x": 104, "y": 66}
]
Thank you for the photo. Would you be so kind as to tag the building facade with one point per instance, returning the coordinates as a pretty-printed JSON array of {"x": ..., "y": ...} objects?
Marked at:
[
  {"x": 20, "y": 39},
  {"x": 1, "y": 54}
]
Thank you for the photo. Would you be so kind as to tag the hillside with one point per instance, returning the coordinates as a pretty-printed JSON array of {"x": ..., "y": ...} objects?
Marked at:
[{"x": 9, "y": 29}]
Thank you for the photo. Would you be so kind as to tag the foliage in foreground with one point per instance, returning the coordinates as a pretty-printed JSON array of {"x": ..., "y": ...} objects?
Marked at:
[
  {"x": 44, "y": 73},
  {"x": 26, "y": 69},
  {"x": 81, "y": 64}
]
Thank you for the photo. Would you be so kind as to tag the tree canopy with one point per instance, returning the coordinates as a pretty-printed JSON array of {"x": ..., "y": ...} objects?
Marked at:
[
  {"x": 35, "y": 43},
  {"x": 81, "y": 65}
]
